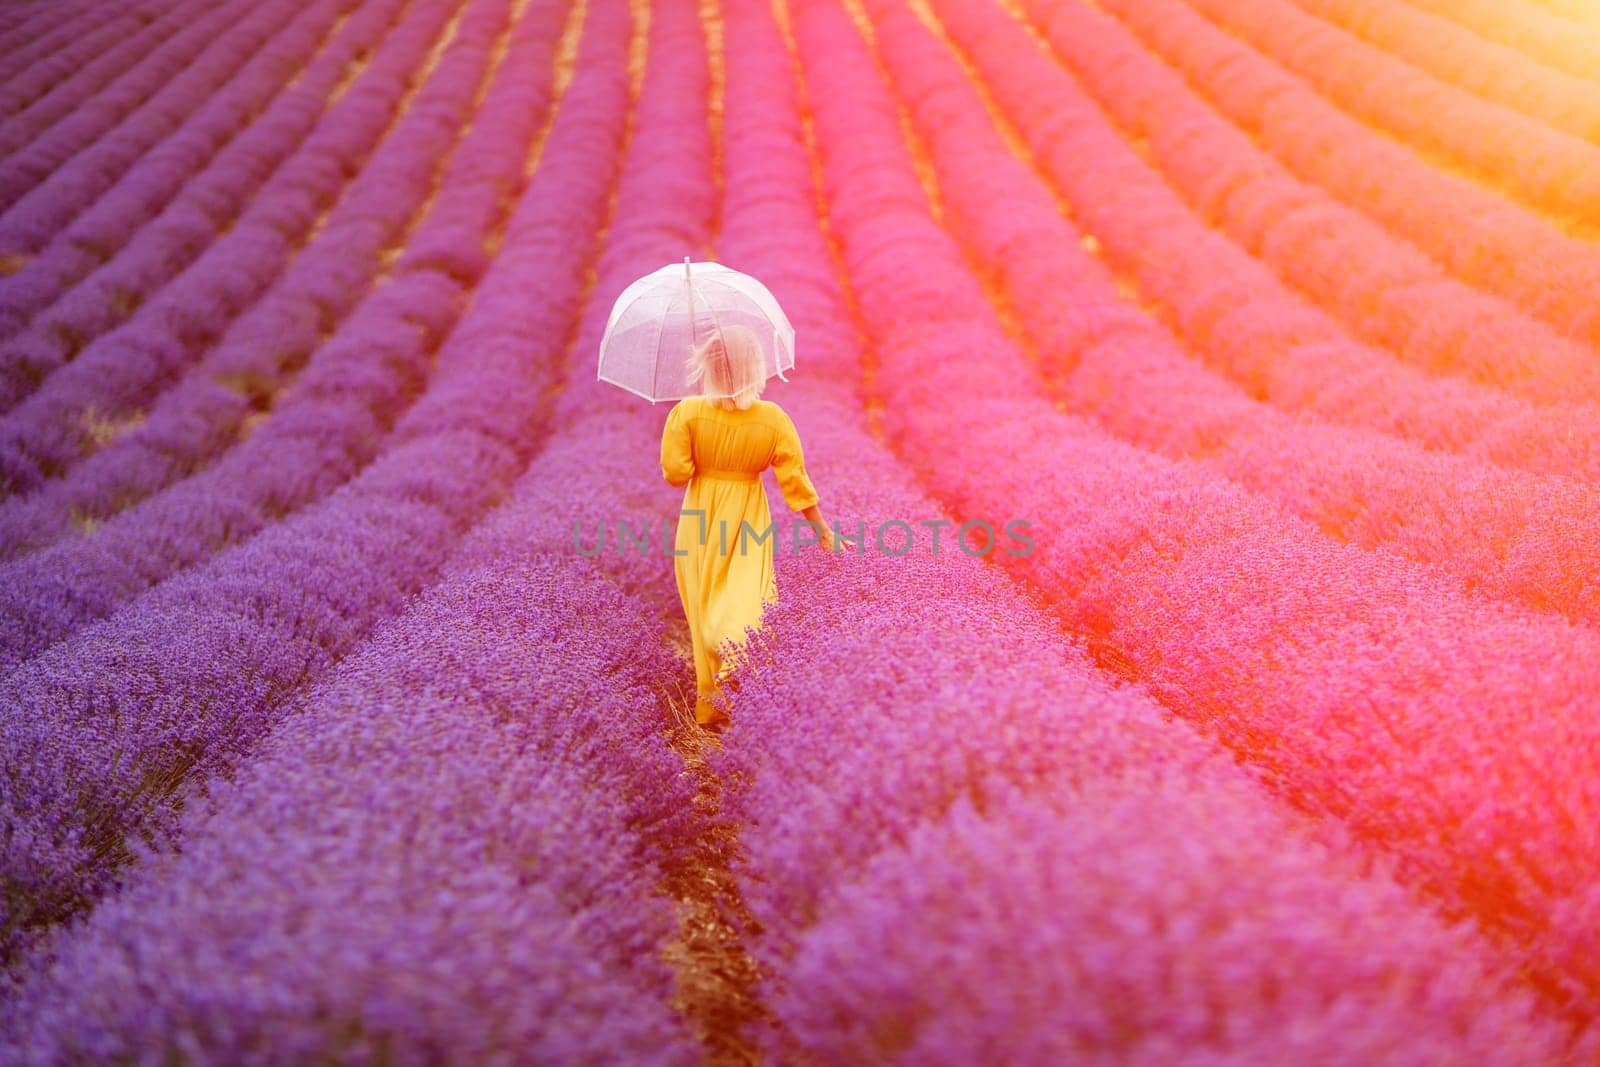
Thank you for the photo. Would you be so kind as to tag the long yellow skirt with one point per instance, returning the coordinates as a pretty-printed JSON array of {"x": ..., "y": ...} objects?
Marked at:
[{"x": 723, "y": 564}]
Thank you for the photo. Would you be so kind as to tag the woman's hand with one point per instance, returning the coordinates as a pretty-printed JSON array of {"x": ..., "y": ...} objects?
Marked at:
[
  {"x": 832, "y": 544},
  {"x": 828, "y": 541}
]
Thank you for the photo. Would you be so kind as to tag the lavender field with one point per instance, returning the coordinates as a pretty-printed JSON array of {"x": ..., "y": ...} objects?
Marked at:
[{"x": 346, "y": 721}]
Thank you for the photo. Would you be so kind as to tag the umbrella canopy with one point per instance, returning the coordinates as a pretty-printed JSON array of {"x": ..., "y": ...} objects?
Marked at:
[{"x": 658, "y": 321}]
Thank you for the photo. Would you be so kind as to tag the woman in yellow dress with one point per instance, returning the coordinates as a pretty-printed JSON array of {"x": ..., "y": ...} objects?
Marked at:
[{"x": 716, "y": 445}]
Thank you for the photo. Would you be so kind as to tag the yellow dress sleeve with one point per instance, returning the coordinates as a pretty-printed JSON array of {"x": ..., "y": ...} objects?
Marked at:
[
  {"x": 789, "y": 463},
  {"x": 677, "y": 456}
]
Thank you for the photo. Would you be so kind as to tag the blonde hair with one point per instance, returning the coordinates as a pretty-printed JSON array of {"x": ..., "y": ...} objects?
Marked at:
[{"x": 730, "y": 365}]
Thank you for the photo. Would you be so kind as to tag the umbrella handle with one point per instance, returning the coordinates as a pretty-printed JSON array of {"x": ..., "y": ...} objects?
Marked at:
[{"x": 688, "y": 283}]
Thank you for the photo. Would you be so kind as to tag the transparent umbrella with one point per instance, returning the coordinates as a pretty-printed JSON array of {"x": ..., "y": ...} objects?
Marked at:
[{"x": 658, "y": 320}]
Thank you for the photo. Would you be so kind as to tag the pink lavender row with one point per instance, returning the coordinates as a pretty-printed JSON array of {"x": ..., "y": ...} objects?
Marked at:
[
  {"x": 527, "y": 689},
  {"x": 200, "y": 108},
  {"x": 40, "y": 30},
  {"x": 1493, "y": 72},
  {"x": 1364, "y": 689},
  {"x": 168, "y": 208},
  {"x": 73, "y": 55},
  {"x": 184, "y": 680},
  {"x": 1126, "y": 371},
  {"x": 52, "y": 27},
  {"x": 1475, "y": 233},
  {"x": 959, "y": 842},
  {"x": 91, "y": 104},
  {"x": 1388, "y": 292},
  {"x": 1537, "y": 33},
  {"x": 448, "y": 216},
  {"x": 448, "y": 851},
  {"x": 205, "y": 305},
  {"x": 1549, "y": 169}
]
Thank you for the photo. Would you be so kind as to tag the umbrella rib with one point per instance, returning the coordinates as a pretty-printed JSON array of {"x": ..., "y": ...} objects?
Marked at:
[{"x": 661, "y": 325}]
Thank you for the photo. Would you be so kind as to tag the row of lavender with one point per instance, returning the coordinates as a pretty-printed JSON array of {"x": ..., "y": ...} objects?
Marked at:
[
  {"x": 1493, "y": 71},
  {"x": 180, "y": 316},
  {"x": 443, "y": 856},
  {"x": 1365, "y": 689},
  {"x": 39, "y": 31},
  {"x": 107, "y": 217},
  {"x": 346, "y": 400},
  {"x": 435, "y": 219},
  {"x": 496, "y": 750},
  {"x": 507, "y": 590},
  {"x": 83, "y": 172},
  {"x": 1544, "y": 35},
  {"x": 1374, "y": 284},
  {"x": 96, "y": 748},
  {"x": 1474, "y": 232},
  {"x": 1505, "y": 534},
  {"x": 230, "y": 387},
  {"x": 57, "y": 251},
  {"x": 946, "y": 782},
  {"x": 119, "y": 59},
  {"x": 1550, "y": 169}
]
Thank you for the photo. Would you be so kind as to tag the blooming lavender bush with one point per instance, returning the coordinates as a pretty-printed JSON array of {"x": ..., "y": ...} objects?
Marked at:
[
  {"x": 1520, "y": 537},
  {"x": 450, "y": 852},
  {"x": 1237, "y": 311},
  {"x": 151, "y": 223},
  {"x": 1147, "y": 555},
  {"x": 1472, "y": 231},
  {"x": 124, "y": 367},
  {"x": 231, "y": 639},
  {"x": 328, "y": 739}
]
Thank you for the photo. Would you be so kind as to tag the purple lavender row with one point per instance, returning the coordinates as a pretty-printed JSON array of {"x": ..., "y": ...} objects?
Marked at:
[
  {"x": 598, "y": 463},
  {"x": 226, "y": 397},
  {"x": 70, "y": 56},
  {"x": 334, "y": 418},
  {"x": 666, "y": 201},
  {"x": 164, "y": 212},
  {"x": 1364, "y": 487},
  {"x": 51, "y": 28},
  {"x": 97, "y": 750},
  {"x": 449, "y": 852},
  {"x": 1123, "y": 941},
  {"x": 1303, "y": 655},
  {"x": 593, "y": 459},
  {"x": 962, "y": 844},
  {"x": 236, "y": 75},
  {"x": 22, "y": 23},
  {"x": 129, "y": 365},
  {"x": 81, "y": 110},
  {"x": 526, "y": 689},
  {"x": 26, "y": 24}
]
